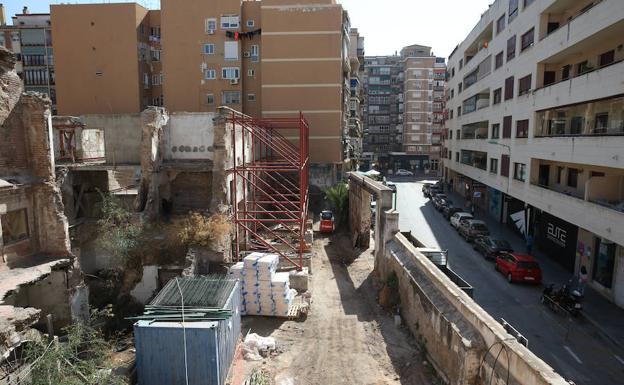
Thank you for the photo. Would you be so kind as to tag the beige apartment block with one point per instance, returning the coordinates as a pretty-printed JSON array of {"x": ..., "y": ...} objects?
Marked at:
[
  {"x": 103, "y": 54},
  {"x": 536, "y": 128},
  {"x": 305, "y": 68}
]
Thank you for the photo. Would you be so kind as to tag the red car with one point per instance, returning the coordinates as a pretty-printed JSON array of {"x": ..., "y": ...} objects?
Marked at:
[
  {"x": 327, "y": 222},
  {"x": 518, "y": 267}
]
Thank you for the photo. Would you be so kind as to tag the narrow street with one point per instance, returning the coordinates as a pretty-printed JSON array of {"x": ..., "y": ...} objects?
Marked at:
[{"x": 574, "y": 347}]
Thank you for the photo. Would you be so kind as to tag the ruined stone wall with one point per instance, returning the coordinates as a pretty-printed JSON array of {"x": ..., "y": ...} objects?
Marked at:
[
  {"x": 460, "y": 338},
  {"x": 153, "y": 120}
]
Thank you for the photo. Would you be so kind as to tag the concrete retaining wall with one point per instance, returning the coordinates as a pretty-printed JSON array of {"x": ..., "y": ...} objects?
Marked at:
[{"x": 461, "y": 339}]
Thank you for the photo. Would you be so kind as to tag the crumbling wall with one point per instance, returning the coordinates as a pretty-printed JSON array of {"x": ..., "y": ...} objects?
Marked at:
[
  {"x": 456, "y": 332},
  {"x": 122, "y": 136},
  {"x": 153, "y": 120},
  {"x": 359, "y": 215}
]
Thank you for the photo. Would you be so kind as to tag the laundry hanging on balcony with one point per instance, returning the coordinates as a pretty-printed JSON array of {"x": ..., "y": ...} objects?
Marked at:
[{"x": 242, "y": 35}]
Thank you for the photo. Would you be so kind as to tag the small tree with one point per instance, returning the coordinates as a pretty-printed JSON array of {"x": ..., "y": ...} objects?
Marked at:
[
  {"x": 338, "y": 198},
  {"x": 84, "y": 358}
]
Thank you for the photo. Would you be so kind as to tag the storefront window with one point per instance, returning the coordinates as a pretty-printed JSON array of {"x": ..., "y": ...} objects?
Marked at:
[{"x": 603, "y": 265}]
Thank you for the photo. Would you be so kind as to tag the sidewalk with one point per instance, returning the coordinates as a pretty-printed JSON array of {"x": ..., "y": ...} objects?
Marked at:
[{"x": 602, "y": 314}]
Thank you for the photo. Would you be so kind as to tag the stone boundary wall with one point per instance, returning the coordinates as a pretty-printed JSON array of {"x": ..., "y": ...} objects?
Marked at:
[{"x": 461, "y": 339}]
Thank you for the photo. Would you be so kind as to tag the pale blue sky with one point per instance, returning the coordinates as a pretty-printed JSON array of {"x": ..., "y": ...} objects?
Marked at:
[{"x": 387, "y": 25}]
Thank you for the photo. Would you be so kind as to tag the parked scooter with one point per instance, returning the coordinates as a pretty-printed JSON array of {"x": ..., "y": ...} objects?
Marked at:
[{"x": 564, "y": 298}]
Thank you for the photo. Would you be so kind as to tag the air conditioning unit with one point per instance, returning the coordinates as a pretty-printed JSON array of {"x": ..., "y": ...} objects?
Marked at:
[
  {"x": 233, "y": 81},
  {"x": 246, "y": 54},
  {"x": 211, "y": 32}
]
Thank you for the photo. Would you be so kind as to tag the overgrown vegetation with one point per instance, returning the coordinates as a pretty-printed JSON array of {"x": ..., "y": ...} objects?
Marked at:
[
  {"x": 200, "y": 230},
  {"x": 338, "y": 198},
  {"x": 83, "y": 357}
]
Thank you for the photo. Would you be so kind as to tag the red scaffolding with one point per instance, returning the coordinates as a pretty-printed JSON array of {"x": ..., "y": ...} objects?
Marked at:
[{"x": 271, "y": 175}]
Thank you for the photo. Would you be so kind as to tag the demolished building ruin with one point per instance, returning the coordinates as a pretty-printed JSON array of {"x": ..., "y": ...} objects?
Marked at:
[{"x": 38, "y": 276}]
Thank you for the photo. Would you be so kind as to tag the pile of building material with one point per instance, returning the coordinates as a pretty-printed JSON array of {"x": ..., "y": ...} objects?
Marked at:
[{"x": 263, "y": 290}]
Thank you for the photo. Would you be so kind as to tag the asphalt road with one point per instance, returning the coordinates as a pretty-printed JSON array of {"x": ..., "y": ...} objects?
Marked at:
[{"x": 573, "y": 347}]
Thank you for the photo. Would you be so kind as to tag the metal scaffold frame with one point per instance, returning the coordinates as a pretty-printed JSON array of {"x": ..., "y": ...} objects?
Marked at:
[{"x": 272, "y": 208}]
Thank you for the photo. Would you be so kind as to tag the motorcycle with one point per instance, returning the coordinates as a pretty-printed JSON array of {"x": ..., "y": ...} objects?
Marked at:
[{"x": 563, "y": 298}]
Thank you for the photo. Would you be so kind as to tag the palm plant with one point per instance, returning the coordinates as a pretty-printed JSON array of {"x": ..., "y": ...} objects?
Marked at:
[{"x": 338, "y": 198}]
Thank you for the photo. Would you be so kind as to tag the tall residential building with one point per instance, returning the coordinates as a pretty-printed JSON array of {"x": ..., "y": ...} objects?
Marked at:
[
  {"x": 30, "y": 38},
  {"x": 355, "y": 129},
  {"x": 404, "y": 110},
  {"x": 423, "y": 101},
  {"x": 107, "y": 58},
  {"x": 536, "y": 128},
  {"x": 383, "y": 111},
  {"x": 270, "y": 58}
]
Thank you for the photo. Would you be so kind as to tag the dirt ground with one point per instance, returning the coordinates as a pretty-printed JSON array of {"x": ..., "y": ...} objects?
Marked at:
[{"x": 346, "y": 338}]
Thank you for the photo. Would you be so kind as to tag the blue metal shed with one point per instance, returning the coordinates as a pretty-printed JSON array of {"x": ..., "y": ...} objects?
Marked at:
[{"x": 210, "y": 348}]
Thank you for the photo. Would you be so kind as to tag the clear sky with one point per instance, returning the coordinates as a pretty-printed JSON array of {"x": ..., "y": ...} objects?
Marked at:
[{"x": 387, "y": 25}]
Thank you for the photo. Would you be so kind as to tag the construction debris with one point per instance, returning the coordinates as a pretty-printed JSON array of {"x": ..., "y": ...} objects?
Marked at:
[{"x": 255, "y": 347}]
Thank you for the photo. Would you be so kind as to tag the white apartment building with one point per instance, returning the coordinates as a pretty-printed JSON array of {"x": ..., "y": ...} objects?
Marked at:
[{"x": 535, "y": 128}]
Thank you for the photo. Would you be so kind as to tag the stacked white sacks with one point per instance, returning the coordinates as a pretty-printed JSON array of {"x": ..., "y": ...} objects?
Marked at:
[{"x": 264, "y": 291}]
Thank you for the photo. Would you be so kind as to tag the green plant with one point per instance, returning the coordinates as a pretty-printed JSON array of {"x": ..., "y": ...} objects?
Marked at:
[
  {"x": 83, "y": 357},
  {"x": 120, "y": 233},
  {"x": 338, "y": 198}
]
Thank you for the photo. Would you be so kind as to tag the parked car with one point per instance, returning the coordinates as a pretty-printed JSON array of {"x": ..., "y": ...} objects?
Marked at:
[
  {"x": 433, "y": 191},
  {"x": 472, "y": 229},
  {"x": 491, "y": 247},
  {"x": 458, "y": 217},
  {"x": 518, "y": 268},
  {"x": 441, "y": 201},
  {"x": 391, "y": 185},
  {"x": 445, "y": 203},
  {"x": 403, "y": 172},
  {"x": 327, "y": 224},
  {"x": 449, "y": 210},
  {"x": 425, "y": 189},
  {"x": 437, "y": 198}
]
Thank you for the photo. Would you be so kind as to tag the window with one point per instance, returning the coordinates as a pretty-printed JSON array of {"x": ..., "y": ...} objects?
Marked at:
[
  {"x": 460, "y": 87},
  {"x": 251, "y": 97},
  {"x": 500, "y": 24},
  {"x": 251, "y": 72},
  {"x": 607, "y": 58},
  {"x": 250, "y": 23},
  {"x": 457, "y": 156},
  {"x": 452, "y": 93},
  {"x": 458, "y": 111},
  {"x": 461, "y": 63},
  {"x": 155, "y": 31},
  {"x": 601, "y": 123},
  {"x": 527, "y": 3},
  {"x": 230, "y": 97},
  {"x": 210, "y": 99},
  {"x": 254, "y": 51},
  {"x": 211, "y": 25},
  {"x": 520, "y": 171},
  {"x": 513, "y": 10},
  {"x": 507, "y": 126},
  {"x": 451, "y": 116},
  {"x": 157, "y": 79},
  {"x": 210, "y": 74},
  {"x": 582, "y": 67},
  {"x": 209, "y": 49},
  {"x": 229, "y": 22},
  {"x": 505, "y": 165},
  {"x": 497, "y": 95},
  {"x": 522, "y": 128},
  {"x": 549, "y": 78},
  {"x": 565, "y": 72},
  {"x": 230, "y": 73},
  {"x": 573, "y": 177},
  {"x": 560, "y": 174},
  {"x": 527, "y": 39},
  {"x": 230, "y": 50},
  {"x": 524, "y": 85},
  {"x": 604, "y": 263},
  {"x": 511, "y": 48},
  {"x": 576, "y": 125},
  {"x": 14, "y": 226},
  {"x": 509, "y": 88},
  {"x": 155, "y": 54},
  {"x": 494, "y": 165},
  {"x": 495, "y": 131},
  {"x": 498, "y": 60},
  {"x": 451, "y": 134}
]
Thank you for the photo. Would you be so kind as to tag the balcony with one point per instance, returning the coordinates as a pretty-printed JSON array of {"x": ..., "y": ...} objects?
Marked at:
[
  {"x": 475, "y": 159},
  {"x": 563, "y": 12},
  {"x": 599, "y": 118},
  {"x": 596, "y": 84},
  {"x": 478, "y": 130}
]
